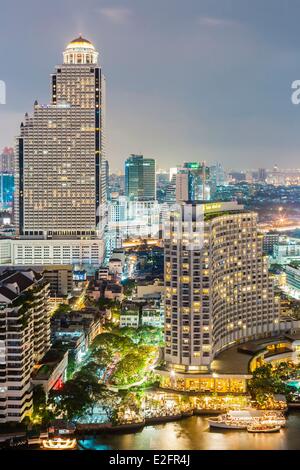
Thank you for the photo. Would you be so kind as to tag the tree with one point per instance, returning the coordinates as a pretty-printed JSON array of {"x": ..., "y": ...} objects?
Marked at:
[
  {"x": 132, "y": 367},
  {"x": 112, "y": 344},
  {"x": 39, "y": 400},
  {"x": 265, "y": 382},
  {"x": 63, "y": 309},
  {"x": 129, "y": 287},
  {"x": 71, "y": 401}
]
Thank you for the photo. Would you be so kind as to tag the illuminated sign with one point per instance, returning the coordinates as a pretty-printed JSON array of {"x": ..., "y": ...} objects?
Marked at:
[
  {"x": 214, "y": 207},
  {"x": 79, "y": 275}
]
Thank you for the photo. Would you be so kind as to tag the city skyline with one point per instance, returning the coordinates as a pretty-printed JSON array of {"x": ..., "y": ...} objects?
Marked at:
[
  {"x": 149, "y": 262},
  {"x": 220, "y": 77}
]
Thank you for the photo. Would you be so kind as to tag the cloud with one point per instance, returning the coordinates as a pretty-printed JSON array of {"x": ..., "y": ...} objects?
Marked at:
[
  {"x": 116, "y": 15},
  {"x": 215, "y": 22}
]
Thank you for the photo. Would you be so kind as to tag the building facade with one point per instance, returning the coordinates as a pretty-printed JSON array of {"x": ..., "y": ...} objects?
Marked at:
[
  {"x": 61, "y": 167},
  {"x": 7, "y": 161},
  {"x": 192, "y": 182},
  {"x": 140, "y": 178},
  {"x": 24, "y": 339},
  {"x": 86, "y": 253},
  {"x": 217, "y": 288}
]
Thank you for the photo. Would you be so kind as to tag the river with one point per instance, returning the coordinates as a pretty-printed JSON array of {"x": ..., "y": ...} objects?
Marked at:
[{"x": 193, "y": 434}]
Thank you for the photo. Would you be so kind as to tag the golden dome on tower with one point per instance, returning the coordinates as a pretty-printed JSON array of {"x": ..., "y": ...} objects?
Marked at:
[
  {"x": 80, "y": 51},
  {"x": 80, "y": 42}
]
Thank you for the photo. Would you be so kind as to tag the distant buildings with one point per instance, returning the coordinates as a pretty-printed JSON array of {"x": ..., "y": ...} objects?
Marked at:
[
  {"x": 140, "y": 178},
  {"x": 192, "y": 182},
  {"x": 286, "y": 250},
  {"x": 131, "y": 219},
  {"x": 283, "y": 177},
  {"x": 293, "y": 277},
  {"x": 217, "y": 288},
  {"x": 7, "y": 161},
  {"x": 262, "y": 175},
  {"x": 24, "y": 339},
  {"x": 269, "y": 241},
  {"x": 86, "y": 322},
  {"x": 7, "y": 178},
  {"x": 7, "y": 189}
]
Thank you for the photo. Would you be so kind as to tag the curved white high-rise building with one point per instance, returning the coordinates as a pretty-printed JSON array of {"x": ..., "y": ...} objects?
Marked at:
[{"x": 217, "y": 288}]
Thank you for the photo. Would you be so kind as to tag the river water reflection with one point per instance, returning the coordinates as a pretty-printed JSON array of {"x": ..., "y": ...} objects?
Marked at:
[{"x": 194, "y": 434}]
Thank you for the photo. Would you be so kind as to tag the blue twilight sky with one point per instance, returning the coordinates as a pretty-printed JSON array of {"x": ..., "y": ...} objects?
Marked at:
[{"x": 186, "y": 79}]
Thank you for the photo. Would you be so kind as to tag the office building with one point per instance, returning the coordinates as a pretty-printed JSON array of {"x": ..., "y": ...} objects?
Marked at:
[
  {"x": 140, "y": 178},
  {"x": 270, "y": 240},
  {"x": 286, "y": 250},
  {"x": 7, "y": 161},
  {"x": 7, "y": 189},
  {"x": 192, "y": 182}
]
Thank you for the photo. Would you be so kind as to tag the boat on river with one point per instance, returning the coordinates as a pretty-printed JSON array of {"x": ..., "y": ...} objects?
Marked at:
[
  {"x": 242, "y": 419},
  {"x": 263, "y": 428},
  {"x": 59, "y": 443}
]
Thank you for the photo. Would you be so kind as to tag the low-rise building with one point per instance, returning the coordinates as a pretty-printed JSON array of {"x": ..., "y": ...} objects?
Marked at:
[
  {"x": 286, "y": 250},
  {"x": 232, "y": 368},
  {"x": 145, "y": 289},
  {"x": 60, "y": 279},
  {"x": 115, "y": 266},
  {"x": 114, "y": 291},
  {"x": 50, "y": 372},
  {"x": 87, "y": 321},
  {"x": 130, "y": 315},
  {"x": 153, "y": 315}
]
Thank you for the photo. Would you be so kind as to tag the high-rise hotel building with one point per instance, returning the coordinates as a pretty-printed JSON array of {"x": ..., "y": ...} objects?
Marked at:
[
  {"x": 217, "y": 288},
  {"x": 61, "y": 166}
]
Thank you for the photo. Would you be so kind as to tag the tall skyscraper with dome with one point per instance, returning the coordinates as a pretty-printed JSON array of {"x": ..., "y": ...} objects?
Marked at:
[{"x": 61, "y": 166}]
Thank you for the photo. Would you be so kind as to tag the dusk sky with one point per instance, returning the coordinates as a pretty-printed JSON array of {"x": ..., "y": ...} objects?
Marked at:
[{"x": 186, "y": 80}]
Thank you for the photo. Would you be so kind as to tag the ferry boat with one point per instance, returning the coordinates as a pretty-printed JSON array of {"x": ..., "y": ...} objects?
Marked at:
[
  {"x": 263, "y": 428},
  {"x": 242, "y": 419},
  {"x": 59, "y": 443}
]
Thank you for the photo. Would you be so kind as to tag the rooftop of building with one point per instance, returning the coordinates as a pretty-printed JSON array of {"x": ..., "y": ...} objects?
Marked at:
[
  {"x": 113, "y": 287},
  {"x": 47, "y": 365},
  {"x": 236, "y": 360},
  {"x": 293, "y": 264},
  {"x": 13, "y": 282}
]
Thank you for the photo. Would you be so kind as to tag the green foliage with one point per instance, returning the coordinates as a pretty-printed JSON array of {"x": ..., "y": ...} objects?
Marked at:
[
  {"x": 41, "y": 412},
  {"x": 71, "y": 364},
  {"x": 129, "y": 287},
  {"x": 267, "y": 381},
  {"x": 132, "y": 367},
  {"x": 78, "y": 395},
  {"x": 38, "y": 398},
  {"x": 62, "y": 309},
  {"x": 104, "y": 303},
  {"x": 112, "y": 343}
]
